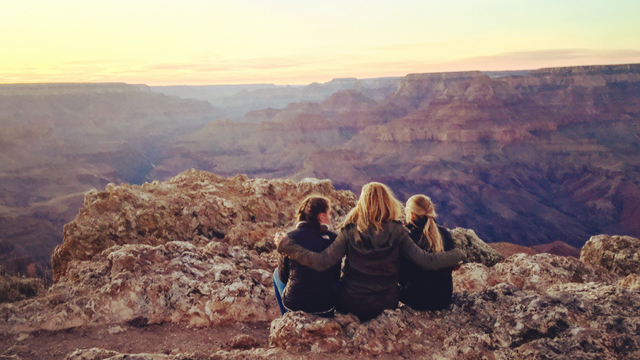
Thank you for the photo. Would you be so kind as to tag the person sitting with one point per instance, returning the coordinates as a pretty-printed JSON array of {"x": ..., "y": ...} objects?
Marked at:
[
  {"x": 421, "y": 289},
  {"x": 306, "y": 289},
  {"x": 373, "y": 241}
]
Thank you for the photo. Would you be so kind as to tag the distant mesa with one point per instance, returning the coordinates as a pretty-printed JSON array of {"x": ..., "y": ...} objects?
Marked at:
[{"x": 68, "y": 88}]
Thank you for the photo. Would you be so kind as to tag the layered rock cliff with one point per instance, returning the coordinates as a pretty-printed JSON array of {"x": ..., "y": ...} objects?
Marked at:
[
  {"x": 196, "y": 252},
  {"x": 547, "y": 155}
]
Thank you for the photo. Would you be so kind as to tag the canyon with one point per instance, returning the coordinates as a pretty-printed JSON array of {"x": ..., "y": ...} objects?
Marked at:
[
  {"x": 531, "y": 158},
  {"x": 551, "y": 155}
]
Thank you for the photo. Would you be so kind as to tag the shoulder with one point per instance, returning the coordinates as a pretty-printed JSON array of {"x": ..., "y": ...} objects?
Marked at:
[
  {"x": 329, "y": 234},
  {"x": 294, "y": 234},
  {"x": 447, "y": 239},
  {"x": 444, "y": 231},
  {"x": 347, "y": 228},
  {"x": 398, "y": 229},
  {"x": 397, "y": 224}
]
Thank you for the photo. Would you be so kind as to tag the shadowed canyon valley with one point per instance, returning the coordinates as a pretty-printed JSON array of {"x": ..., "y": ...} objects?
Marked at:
[{"x": 527, "y": 158}]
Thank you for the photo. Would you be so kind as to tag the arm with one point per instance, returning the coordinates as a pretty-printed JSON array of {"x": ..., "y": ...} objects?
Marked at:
[
  {"x": 317, "y": 261},
  {"x": 426, "y": 260}
]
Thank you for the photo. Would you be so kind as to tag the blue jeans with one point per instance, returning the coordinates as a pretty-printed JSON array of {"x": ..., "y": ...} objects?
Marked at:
[{"x": 279, "y": 286}]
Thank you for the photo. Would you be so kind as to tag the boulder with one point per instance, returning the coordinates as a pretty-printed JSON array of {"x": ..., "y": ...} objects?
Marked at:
[
  {"x": 535, "y": 273},
  {"x": 618, "y": 254},
  {"x": 477, "y": 250}
]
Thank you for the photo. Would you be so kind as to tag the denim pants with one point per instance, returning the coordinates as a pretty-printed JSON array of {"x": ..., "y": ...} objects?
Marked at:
[{"x": 279, "y": 286}]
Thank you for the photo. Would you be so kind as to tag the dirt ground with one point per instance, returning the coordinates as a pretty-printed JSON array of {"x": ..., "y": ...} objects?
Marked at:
[{"x": 132, "y": 339}]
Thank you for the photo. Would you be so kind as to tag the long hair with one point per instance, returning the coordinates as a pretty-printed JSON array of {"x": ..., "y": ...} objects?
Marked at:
[
  {"x": 421, "y": 206},
  {"x": 375, "y": 206},
  {"x": 311, "y": 207}
]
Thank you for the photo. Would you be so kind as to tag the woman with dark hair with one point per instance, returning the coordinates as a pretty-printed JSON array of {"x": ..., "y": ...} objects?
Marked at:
[
  {"x": 421, "y": 289},
  {"x": 306, "y": 289},
  {"x": 374, "y": 241}
]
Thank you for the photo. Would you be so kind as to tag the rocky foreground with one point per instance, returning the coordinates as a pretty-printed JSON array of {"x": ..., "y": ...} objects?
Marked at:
[{"x": 195, "y": 253}]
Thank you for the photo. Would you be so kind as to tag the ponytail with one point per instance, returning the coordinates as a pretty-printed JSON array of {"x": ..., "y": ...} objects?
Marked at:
[{"x": 421, "y": 206}]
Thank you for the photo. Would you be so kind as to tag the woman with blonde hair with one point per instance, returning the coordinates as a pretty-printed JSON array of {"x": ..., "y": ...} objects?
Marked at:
[
  {"x": 420, "y": 289},
  {"x": 374, "y": 241}
]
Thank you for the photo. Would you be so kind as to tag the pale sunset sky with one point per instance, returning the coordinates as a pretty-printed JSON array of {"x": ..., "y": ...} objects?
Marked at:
[{"x": 197, "y": 42}]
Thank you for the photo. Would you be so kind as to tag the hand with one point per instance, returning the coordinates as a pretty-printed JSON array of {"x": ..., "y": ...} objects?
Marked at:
[
  {"x": 457, "y": 267},
  {"x": 279, "y": 237}
]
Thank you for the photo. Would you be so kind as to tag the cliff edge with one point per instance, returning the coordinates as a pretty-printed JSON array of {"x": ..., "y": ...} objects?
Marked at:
[{"x": 194, "y": 256}]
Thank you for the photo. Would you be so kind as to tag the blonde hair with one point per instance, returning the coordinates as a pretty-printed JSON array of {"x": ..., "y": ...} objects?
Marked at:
[
  {"x": 375, "y": 206},
  {"x": 421, "y": 206}
]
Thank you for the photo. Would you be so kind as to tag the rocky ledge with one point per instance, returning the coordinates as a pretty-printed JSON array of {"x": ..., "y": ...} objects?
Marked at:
[{"x": 197, "y": 251}]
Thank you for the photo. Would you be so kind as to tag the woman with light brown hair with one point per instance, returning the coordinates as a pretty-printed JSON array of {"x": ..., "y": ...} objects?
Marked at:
[
  {"x": 299, "y": 288},
  {"x": 420, "y": 289},
  {"x": 374, "y": 241}
]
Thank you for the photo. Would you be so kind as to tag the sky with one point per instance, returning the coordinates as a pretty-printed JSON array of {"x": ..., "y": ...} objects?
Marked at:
[{"x": 198, "y": 42}]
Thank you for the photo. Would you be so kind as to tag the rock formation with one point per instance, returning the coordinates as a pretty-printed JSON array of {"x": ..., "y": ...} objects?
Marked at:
[
  {"x": 194, "y": 251},
  {"x": 618, "y": 254},
  {"x": 477, "y": 250},
  {"x": 194, "y": 206}
]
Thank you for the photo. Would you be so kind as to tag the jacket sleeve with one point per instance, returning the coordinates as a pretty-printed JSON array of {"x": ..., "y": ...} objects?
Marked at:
[
  {"x": 317, "y": 261},
  {"x": 283, "y": 268},
  {"x": 427, "y": 260}
]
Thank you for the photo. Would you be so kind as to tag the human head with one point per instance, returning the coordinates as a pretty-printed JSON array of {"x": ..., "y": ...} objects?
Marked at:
[
  {"x": 313, "y": 207},
  {"x": 375, "y": 206},
  {"x": 419, "y": 207}
]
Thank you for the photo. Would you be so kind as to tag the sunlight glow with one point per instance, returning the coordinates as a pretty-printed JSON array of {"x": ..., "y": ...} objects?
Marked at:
[{"x": 166, "y": 42}]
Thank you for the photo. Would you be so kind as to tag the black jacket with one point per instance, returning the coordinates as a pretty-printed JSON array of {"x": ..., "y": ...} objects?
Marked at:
[
  {"x": 369, "y": 283},
  {"x": 422, "y": 289},
  {"x": 309, "y": 290}
]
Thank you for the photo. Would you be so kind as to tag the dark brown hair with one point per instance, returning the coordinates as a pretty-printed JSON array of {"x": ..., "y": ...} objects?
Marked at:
[{"x": 311, "y": 207}]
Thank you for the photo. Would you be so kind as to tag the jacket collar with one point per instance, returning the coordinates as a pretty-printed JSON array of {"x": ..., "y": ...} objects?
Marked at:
[{"x": 308, "y": 225}]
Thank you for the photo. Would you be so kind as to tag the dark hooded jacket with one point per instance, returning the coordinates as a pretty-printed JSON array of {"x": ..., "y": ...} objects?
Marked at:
[
  {"x": 421, "y": 289},
  {"x": 309, "y": 290},
  {"x": 370, "y": 278}
]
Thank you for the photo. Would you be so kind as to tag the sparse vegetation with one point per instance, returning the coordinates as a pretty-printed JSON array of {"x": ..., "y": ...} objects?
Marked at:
[{"x": 14, "y": 288}]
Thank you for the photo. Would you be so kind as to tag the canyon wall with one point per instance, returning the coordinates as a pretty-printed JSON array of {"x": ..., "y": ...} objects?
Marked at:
[{"x": 532, "y": 158}]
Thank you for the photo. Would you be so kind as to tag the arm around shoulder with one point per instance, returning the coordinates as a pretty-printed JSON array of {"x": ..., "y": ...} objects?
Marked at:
[
  {"x": 427, "y": 260},
  {"x": 317, "y": 261}
]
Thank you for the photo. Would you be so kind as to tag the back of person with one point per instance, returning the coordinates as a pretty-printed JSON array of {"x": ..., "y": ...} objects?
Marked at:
[
  {"x": 309, "y": 290},
  {"x": 422, "y": 289},
  {"x": 370, "y": 281}
]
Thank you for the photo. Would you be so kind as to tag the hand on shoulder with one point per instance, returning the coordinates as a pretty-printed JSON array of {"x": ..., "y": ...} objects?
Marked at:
[{"x": 279, "y": 237}]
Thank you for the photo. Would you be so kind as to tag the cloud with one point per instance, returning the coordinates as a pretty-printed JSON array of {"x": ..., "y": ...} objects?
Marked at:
[{"x": 552, "y": 57}]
